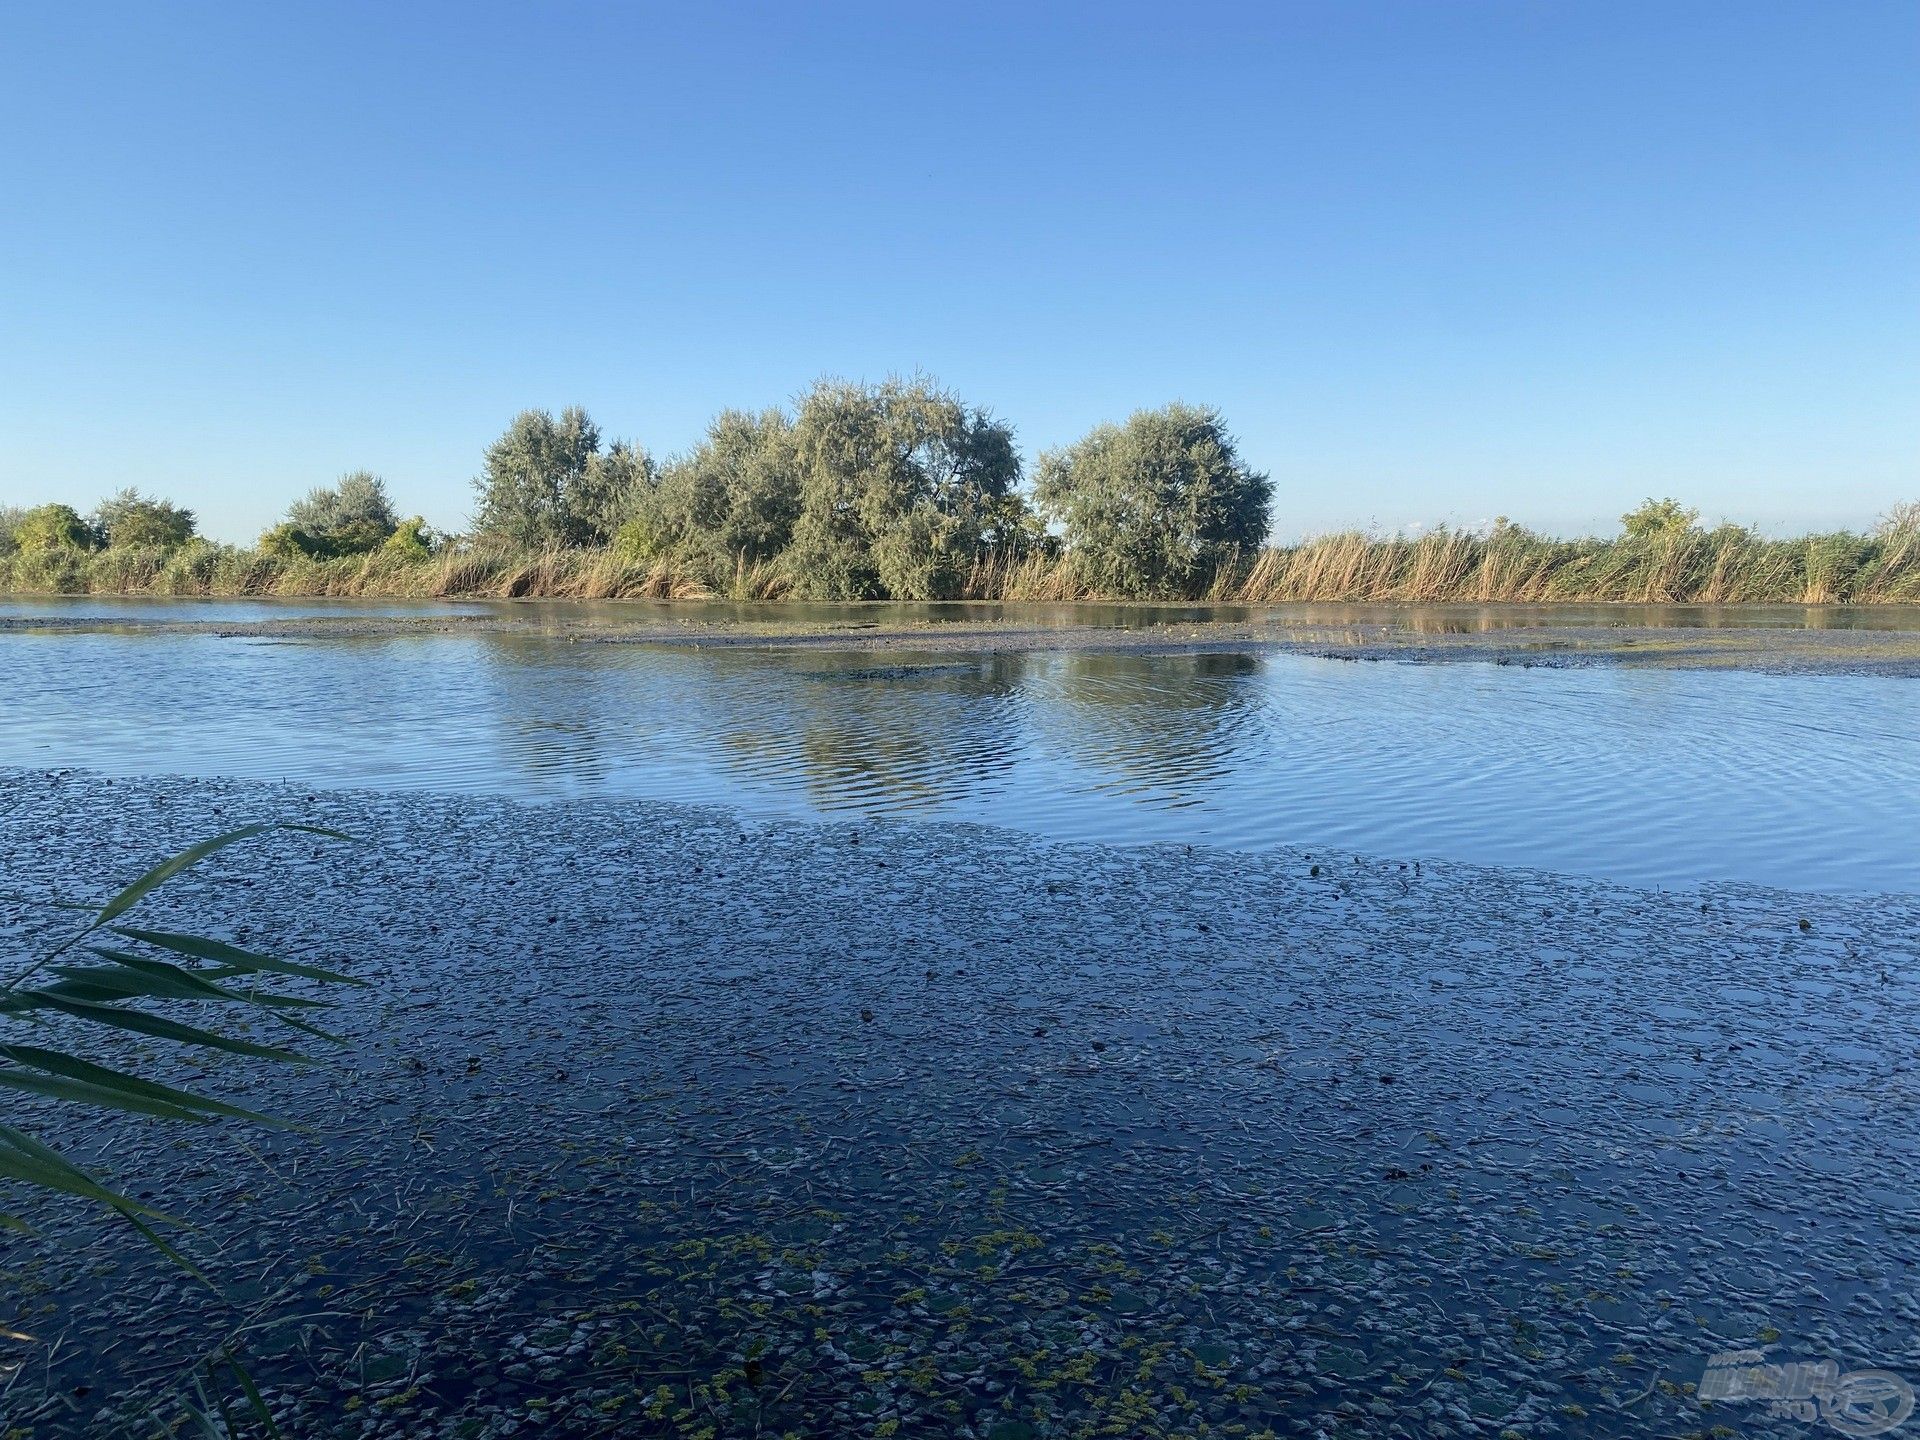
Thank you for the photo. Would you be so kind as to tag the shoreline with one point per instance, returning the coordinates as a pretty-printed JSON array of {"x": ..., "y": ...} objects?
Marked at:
[
  {"x": 959, "y": 1137},
  {"x": 1759, "y": 648}
]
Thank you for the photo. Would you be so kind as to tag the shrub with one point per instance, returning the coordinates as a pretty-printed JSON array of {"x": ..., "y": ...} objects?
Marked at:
[
  {"x": 547, "y": 483},
  {"x": 732, "y": 502},
  {"x": 51, "y": 528},
  {"x": 1154, "y": 507},
  {"x": 1657, "y": 519},
  {"x": 132, "y": 521},
  {"x": 348, "y": 518},
  {"x": 411, "y": 540}
]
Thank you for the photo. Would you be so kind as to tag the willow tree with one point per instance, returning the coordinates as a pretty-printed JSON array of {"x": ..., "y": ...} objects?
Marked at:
[
  {"x": 1153, "y": 507},
  {"x": 546, "y": 482},
  {"x": 903, "y": 488},
  {"x": 350, "y": 517},
  {"x": 732, "y": 501},
  {"x": 132, "y": 521}
]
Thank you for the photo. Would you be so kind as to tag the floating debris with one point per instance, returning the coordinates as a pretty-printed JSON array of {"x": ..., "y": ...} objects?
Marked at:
[{"x": 1404, "y": 1155}]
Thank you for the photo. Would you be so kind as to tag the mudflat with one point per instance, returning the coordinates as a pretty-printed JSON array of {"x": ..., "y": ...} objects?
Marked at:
[{"x": 1762, "y": 648}]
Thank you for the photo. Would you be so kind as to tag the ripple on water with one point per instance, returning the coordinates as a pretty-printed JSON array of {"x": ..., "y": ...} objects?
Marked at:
[{"x": 1646, "y": 775}]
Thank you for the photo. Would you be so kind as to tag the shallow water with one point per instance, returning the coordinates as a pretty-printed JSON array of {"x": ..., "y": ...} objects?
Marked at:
[
  {"x": 652, "y": 1124},
  {"x": 1669, "y": 777}
]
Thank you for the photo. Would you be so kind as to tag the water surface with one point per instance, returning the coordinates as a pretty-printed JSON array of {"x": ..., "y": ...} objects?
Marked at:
[{"x": 1653, "y": 776}]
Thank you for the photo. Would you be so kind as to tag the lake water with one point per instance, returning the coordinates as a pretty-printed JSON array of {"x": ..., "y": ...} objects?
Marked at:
[{"x": 1662, "y": 777}]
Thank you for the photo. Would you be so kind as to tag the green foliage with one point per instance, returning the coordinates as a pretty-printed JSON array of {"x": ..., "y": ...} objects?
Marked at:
[
  {"x": 51, "y": 528},
  {"x": 641, "y": 538},
  {"x": 132, "y": 521},
  {"x": 613, "y": 489},
  {"x": 1659, "y": 520},
  {"x": 10, "y": 518},
  {"x": 1153, "y": 507},
  {"x": 287, "y": 541},
  {"x": 732, "y": 501},
  {"x": 903, "y": 490},
  {"x": 350, "y": 517},
  {"x": 110, "y": 976},
  {"x": 547, "y": 483},
  {"x": 411, "y": 540},
  {"x": 1834, "y": 562}
]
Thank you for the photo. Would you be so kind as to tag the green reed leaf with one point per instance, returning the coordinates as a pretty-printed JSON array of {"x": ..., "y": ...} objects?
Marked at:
[
  {"x": 140, "y": 1022},
  {"x": 236, "y": 960},
  {"x": 57, "y": 1062},
  {"x": 193, "y": 855}
]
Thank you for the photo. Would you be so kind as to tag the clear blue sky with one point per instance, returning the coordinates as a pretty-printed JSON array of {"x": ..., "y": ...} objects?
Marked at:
[{"x": 1435, "y": 261}]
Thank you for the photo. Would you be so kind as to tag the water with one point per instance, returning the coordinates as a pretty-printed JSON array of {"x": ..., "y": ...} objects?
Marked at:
[{"x": 1662, "y": 777}]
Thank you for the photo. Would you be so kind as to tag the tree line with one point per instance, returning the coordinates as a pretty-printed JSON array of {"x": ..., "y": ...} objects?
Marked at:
[{"x": 897, "y": 490}]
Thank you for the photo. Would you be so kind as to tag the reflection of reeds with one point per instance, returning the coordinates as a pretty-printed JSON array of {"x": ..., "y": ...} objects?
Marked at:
[{"x": 1729, "y": 565}]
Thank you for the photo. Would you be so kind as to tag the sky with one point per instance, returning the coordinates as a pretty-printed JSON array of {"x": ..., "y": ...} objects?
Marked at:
[{"x": 1433, "y": 262}]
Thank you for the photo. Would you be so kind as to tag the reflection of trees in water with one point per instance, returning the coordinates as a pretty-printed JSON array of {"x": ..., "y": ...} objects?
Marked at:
[
  {"x": 880, "y": 737},
  {"x": 1164, "y": 727},
  {"x": 869, "y": 732}
]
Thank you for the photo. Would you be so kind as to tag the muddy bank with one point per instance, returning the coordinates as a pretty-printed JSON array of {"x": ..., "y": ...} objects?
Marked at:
[
  {"x": 1757, "y": 648},
  {"x": 656, "y": 1123}
]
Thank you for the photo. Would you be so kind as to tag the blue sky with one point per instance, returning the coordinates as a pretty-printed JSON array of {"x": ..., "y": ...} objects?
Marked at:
[{"x": 1434, "y": 261}]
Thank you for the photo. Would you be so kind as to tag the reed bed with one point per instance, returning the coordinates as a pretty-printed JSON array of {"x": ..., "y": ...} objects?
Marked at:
[{"x": 1728, "y": 565}]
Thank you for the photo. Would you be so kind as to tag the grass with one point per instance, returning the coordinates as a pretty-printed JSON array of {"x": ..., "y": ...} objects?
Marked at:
[{"x": 1728, "y": 565}]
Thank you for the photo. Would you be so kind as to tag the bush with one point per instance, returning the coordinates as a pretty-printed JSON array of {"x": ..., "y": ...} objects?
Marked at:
[
  {"x": 351, "y": 517},
  {"x": 1154, "y": 507},
  {"x": 732, "y": 502},
  {"x": 289, "y": 541},
  {"x": 131, "y": 521},
  {"x": 546, "y": 483},
  {"x": 411, "y": 540},
  {"x": 1658, "y": 519},
  {"x": 51, "y": 528}
]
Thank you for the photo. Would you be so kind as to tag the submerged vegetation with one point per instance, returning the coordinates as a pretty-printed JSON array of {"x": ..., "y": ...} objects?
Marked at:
[{"x": 903, "y": 491}]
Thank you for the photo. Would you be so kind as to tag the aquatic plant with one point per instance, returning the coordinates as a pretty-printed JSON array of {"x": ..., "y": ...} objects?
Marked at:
[
  {"x": 1726, "y": 565},
  {"x": 109, "y": 975},
  {"x": 57, "y": 998}
]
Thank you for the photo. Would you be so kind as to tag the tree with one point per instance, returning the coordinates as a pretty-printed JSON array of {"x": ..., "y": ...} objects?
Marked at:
[
  {"x": 52, "y": 527},
  {"x": 903, "y": 488},
  {"x": 10, "y": 518},
  {"x": 348, "y": 518},
  {"x": 132, "y": 521},
  {"x": 1151, "y": 508},
  {"x": 613, "y": 489},
  {"x": 1902, "y": 522},
  {"x": 546, "y": 482},
  {"x": 733, "y": 500},
  {"x": 1658, "y": 519}
]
